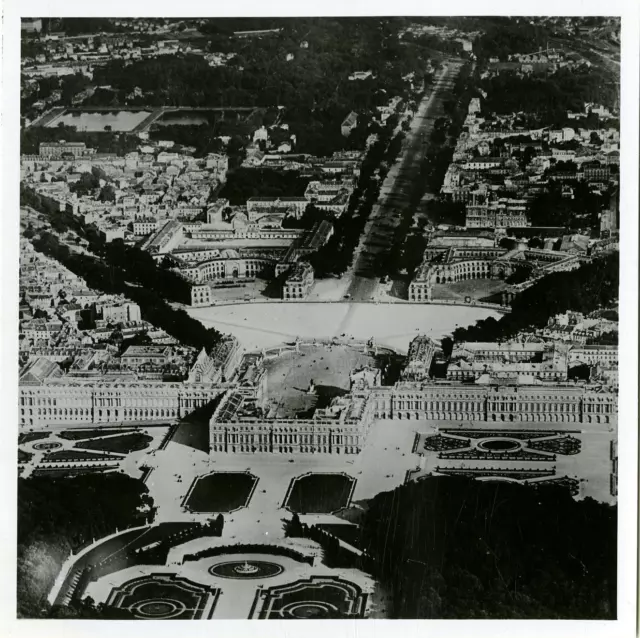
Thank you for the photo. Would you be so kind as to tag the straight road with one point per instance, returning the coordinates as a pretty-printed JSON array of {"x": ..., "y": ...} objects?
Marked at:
[{"x": 396, "y": 189}]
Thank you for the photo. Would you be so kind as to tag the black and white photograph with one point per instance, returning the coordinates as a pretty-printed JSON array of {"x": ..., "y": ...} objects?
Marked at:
[{"x": 320, "y": 318}]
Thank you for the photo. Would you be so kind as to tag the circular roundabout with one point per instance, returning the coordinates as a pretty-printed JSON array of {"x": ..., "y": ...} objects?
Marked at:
[
  {"x": 500, "y": 445},
  {"x": 159, "y": 609},
  {"x": 47, "y": 446},
  {"x": 315, "y": 609},
  {"x": 243, "y": 569}
]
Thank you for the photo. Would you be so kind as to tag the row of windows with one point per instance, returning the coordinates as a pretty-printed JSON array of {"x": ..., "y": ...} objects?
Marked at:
[
  {"x": 155, "y": 402},
  {"x": 470, "y": 374},
  {"x": 283, "y": 438},
  {"x": 284, "y": 449},
  {"x": 57, "y": 412}
]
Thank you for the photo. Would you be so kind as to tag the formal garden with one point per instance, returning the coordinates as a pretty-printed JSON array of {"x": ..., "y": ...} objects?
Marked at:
[
  {"x": 220, "y": 492},
  {"x": 317, "y": 597},
  {"x": 122, "y": 444},
  {"x": 163, "y": 597},
  {"x": 79, "y": 435},
  {"x": 319, "y": 493}
]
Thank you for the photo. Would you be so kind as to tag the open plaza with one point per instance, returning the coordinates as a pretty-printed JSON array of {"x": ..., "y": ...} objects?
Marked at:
[{"x": 264, "y": 325}]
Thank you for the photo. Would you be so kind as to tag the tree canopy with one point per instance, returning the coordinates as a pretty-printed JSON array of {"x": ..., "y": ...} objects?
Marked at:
[
  {"x": 459, "y": 548},
  {"x": 591, "y": 287},
  {"x": 57, "y": 515}
]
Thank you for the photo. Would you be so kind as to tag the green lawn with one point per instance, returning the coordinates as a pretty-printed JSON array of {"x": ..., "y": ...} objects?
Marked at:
[
  {"x": 24, "y": 457},
  {"x": 221, "y": 492},
  {"x": 123, "y": 444},
  {"x": 78, "y": 435},
  {"x": 319, "y": 493},
  {"x": 28, "y": 437}
]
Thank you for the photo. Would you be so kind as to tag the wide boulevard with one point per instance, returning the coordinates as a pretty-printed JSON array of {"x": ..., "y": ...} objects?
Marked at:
[{"x": 396, "y": 189}]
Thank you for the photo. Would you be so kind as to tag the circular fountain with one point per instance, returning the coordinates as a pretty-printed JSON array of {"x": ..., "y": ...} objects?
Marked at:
[
  {"x": 500, "y": 445},
  {"x": 246, "y": 569}
]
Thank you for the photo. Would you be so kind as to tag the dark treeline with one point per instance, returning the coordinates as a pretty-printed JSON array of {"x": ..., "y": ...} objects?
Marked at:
[
  {"x": 124, "y": 264},
  {"x": 245, "y": 183},
  {"x": 581, "y": 211},
  {"x": 506, "y": 36},
  {"x": 548, "y": 97},
  {"x": 103, "y": 141},
  {"x": 591, "y": 287},
  {"x": 458, "y": 548},
  {"x": 334, "y": 555},
  {"x": 57, "y": 515},
  {"x": 131, "y": 272},
  {"x": 336, "y": 255}
]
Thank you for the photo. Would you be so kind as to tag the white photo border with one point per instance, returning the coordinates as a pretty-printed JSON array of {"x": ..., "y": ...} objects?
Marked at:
[{"x": 628, "y": 406}]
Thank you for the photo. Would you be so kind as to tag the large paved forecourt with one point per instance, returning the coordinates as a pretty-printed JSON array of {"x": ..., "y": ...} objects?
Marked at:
[
  {"x": 329, "y": 368},
  {"x": 263, "y": 325}
]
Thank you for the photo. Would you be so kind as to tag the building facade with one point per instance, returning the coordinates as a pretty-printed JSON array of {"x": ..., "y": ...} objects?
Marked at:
[
  {"x": 504, "y": 213},
  {"x": 77, "y": 403},
  {"x": 299, "y": 282},
  {"x": 444, "y": 265},
  {"x": 495, "y": 403}
]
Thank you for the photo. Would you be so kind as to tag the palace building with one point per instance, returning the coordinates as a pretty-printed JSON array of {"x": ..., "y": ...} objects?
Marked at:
[
  {"x": 239, "y": 425},
  {"x": 443, "y": 265},
  {"x": 345, "y": 433},
  {"x": 509, "y": 384},
  {"x": 498, "y": 401},
  {"x": 65, "y": 402},
  {"x": 48, "y": 399}
]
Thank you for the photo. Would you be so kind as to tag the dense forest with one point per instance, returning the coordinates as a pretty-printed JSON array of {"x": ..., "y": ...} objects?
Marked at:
[
  {"x": 261, "y": 75},
  {"x": 506, "y": 36},
  {"x": 548, "y": 97},
  {"x": 591, "y": 287},
  {"x": 459, "y": 548},
  {"x": 58, "y": 515}
]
